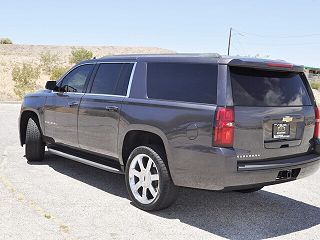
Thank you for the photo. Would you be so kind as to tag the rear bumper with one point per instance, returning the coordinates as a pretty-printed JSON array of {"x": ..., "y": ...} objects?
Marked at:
[
  {"x": 223, "y": 171},
  {"x": 276, "y": 164},
  {"x": 267, "y": 172}
]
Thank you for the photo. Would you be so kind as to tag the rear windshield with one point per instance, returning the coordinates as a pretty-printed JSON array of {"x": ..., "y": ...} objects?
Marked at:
[
  {"x": 254, "y": 87},
  {"x": 186, "y": 82}
]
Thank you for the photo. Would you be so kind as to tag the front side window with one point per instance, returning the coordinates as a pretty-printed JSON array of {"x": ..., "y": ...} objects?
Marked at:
[
  {"x": 186, "y": 82},
  {"x": 112, "y": 79},
  {"x": 76, "y": 79}
]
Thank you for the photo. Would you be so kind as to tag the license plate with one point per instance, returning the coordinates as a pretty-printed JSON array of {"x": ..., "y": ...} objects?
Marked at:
[{"x": 281, "y": 130}]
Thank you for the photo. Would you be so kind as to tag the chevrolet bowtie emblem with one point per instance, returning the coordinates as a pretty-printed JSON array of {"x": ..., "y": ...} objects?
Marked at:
[{"x": 287, "y": 119}]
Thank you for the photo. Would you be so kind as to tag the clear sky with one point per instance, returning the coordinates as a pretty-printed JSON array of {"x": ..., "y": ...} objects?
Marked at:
[{"x": 280, "y": 29}]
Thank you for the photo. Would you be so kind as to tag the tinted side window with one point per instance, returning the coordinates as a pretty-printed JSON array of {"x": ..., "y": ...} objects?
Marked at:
[
  {"x": 112, "y": 78},
  {"x": 187, "y": 82},
  {"x": 255, "y": 87},
  {"x": 76, "y": 79},
  {"x": 124, "y": 79}
]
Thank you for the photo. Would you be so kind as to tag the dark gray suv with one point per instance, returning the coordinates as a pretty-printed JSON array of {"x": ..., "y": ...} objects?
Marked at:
[{"x": 192, "y": 120}]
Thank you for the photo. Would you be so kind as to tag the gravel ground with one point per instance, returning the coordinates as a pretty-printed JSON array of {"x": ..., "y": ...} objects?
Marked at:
[{"x": 61, "y": 199}]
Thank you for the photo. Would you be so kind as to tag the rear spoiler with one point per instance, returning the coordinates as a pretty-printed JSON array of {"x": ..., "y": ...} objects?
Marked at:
[{"x": 267, "y": 64}]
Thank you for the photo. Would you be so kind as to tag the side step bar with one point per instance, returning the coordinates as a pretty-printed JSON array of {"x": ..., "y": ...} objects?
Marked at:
[{"x": 84, "y": 161}]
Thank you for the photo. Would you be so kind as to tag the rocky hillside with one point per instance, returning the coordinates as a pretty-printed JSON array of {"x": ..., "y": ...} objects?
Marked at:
[{"x": 16, "y": 55}]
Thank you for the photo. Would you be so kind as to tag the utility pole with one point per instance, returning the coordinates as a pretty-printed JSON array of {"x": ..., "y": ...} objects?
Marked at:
[{"x": 229, "y": 41}]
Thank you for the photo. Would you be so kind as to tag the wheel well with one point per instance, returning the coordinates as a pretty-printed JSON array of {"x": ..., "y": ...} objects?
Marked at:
[
  {"x": 137, "y": 138},
  {"x": 25, "y": 116}
]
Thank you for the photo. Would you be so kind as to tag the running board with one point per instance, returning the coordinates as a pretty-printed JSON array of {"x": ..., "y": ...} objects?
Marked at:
[{"x": 85, "y": 161}]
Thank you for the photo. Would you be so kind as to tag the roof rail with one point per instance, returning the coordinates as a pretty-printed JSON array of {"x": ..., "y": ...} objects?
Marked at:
[{"x": 213, "y": 55}]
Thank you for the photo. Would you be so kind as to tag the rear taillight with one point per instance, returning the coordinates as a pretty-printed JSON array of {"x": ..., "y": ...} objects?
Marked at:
[
  {"x": 317, "y": 124},
  {"x": 224, "y": 127}
]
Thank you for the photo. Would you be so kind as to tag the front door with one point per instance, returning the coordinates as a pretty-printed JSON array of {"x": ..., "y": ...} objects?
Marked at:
[
  {"x": 100, "y": 108},
  {"x": 67, "y": 102}
]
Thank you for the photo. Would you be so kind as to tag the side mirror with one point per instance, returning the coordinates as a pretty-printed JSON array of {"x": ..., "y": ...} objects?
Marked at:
[{"x": 51, "y": 85}]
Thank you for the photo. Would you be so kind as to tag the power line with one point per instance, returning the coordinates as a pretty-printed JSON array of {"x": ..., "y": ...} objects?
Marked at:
[
  {"x": 242, "y": 33},
  {"x": 231, "y": 33},
  {"x": 237, "y": 38},
  {"x": 237, "y": 44},
  {"x": 237, "y": 47},
  {"x": 237, "y": 35}
]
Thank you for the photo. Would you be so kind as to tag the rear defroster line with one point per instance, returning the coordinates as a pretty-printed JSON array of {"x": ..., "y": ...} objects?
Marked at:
[{"x": 34, "y": 206}]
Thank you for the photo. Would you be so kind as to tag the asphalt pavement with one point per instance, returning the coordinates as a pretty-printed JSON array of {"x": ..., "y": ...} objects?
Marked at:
[{"x": 62, "y": 199}]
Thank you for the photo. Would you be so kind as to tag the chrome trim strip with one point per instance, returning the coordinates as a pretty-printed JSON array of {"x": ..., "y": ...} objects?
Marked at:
[
  {"x": 100, "y": 94},
  {"x": 98, "y": 62},
  {"x": 277, "y": 165},
  {"x": 130, "y": 80},
  {"x": 84, "y": 161},
  {"x": 74, "y": 93}
]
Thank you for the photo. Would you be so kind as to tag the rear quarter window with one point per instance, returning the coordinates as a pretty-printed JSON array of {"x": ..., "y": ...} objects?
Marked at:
[
  {"x": 255, "y": 87},
  {"x": 186, "y": 82}
]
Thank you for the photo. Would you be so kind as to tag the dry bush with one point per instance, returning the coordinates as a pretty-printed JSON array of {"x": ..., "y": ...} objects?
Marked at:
[
  {"x": 80, "y": 54},
  {"x": 5, "y": 41},
  {"x": 57, "y": 72},
  {"x": 49, "y": 61},
  {"x": 24, "y": 77},
  {"x": 315, "y": 84}
]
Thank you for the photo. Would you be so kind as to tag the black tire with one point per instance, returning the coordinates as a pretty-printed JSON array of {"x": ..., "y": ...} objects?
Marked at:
[
  {"x": 35, "y": 147},
  {"x": 167, "y": 191},
  {"x": 249, "y": 190}
]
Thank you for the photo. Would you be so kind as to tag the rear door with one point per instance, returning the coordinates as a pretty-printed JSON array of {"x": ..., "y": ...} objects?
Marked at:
[
  {"x": 100, "y": 108},
  {"x": 274, "y": 115}
]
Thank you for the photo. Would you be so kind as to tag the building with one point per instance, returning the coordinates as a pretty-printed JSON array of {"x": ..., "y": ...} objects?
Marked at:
[{"x": 312, "y": 73}]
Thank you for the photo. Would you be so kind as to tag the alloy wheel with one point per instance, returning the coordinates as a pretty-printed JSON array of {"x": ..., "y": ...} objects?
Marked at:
[{"x": 144, "y": 179}]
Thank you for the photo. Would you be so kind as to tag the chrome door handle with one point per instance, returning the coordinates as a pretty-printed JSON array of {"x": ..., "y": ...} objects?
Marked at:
[
  {"x": 112, "y": 109},
  {"x": 73, "y": 104}
]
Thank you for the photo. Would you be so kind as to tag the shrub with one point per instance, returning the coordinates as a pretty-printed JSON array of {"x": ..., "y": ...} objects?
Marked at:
[
  {"x": 315, "y": 84},
  {"x": 57, "y": 72},
  {"x": 48, "y": 62},
  {"x": 5, "y": 41},
  {"x": 80, "y": 54},
  {"x": 25, "y": 77}
]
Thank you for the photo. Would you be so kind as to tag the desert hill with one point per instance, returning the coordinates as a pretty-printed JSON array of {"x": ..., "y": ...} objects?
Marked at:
[{"x": 15, "y": 55}]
